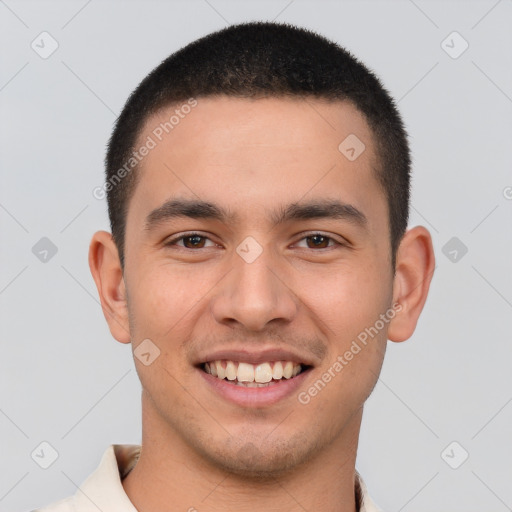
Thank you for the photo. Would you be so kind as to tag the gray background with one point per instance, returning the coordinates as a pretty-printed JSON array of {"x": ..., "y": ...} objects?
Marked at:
[{"x": 65, "y": 381}]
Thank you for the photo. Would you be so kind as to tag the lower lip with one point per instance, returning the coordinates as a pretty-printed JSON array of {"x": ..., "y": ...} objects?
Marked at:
[{"x": 255, "y": 397}]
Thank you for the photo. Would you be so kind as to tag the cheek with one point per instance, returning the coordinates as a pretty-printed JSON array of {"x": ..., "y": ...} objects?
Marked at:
[
  {"x": 167, "y": 289},
  {"x": 161, "y": 308},
  {"x": 347, "y": 300},
  {"x": 349, "y": 305}
]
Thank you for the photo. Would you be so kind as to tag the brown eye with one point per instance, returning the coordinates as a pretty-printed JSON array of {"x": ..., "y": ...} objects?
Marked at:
[
  {"x": 194, "y": 241},
  {"x": 318, "y": 241},
  {"x": 190, "y": 241}
]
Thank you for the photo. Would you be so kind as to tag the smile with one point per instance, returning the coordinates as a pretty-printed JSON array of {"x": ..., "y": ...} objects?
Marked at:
[{"x": 253, "y": 375}]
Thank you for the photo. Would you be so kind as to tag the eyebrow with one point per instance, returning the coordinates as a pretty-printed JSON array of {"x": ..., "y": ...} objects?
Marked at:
[{"x": 198, "y": 209}]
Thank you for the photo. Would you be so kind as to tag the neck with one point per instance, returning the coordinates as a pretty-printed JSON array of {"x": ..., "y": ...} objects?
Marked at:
[{"x": 169, "y": 471}]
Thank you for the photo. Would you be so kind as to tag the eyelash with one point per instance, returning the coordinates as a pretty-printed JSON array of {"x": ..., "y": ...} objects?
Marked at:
[{"x": 173, "y": 241}]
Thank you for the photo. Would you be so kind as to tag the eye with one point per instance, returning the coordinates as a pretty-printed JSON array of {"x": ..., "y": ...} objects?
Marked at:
[
  {"x": 198, "y": 241},
  {"x": 190, "y": 241},
  {"x": 319, "y": 241}
]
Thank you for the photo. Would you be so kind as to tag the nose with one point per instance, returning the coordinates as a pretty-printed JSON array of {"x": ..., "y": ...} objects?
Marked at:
[{"x": 254, "y": 294}]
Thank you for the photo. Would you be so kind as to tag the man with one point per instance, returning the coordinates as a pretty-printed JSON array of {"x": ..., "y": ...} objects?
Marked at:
[{"x": 258, "y": 193}]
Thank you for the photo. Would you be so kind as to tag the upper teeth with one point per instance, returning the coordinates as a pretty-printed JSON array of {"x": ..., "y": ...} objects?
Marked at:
[{"x": 246, "y": 372}]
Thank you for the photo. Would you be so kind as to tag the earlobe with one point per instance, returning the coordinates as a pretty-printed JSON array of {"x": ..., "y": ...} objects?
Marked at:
[
  {"x": 108, "y": 276},
  {"x": 414, "y": 270}
]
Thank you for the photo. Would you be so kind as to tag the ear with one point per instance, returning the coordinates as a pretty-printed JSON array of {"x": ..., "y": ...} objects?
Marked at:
[
  {"x": 414, "y": 269},
  {"x": 107, "y": 273}
]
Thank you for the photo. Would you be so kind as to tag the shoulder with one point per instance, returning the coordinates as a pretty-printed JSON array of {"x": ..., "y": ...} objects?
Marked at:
[
  {"x": 366, "y": 504},
  {"x": 103, "y": 489}
]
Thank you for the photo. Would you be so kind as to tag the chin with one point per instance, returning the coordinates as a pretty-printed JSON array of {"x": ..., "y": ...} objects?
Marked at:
[{"x": 260, "y": 461}]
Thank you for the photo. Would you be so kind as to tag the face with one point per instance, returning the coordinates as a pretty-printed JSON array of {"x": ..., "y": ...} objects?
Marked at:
[{"x": 282, "y": 269}]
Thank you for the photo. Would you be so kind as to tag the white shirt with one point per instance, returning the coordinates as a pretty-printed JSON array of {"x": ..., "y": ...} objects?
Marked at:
[{"x": 104, "y": 491}]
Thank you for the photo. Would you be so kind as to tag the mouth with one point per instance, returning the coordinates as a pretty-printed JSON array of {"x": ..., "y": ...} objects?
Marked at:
[
  {"x": 247, "y": 375},
  {"x": 254, "y": 378}
]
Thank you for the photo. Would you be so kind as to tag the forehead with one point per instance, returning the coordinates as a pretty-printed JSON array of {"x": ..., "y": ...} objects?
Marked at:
[
  {"x": 257, "y": 152},
  {"x": 222, "y": 124}
]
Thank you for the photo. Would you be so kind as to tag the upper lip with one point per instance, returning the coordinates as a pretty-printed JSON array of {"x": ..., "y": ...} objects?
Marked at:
[{"x": 254, "y": 356}]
